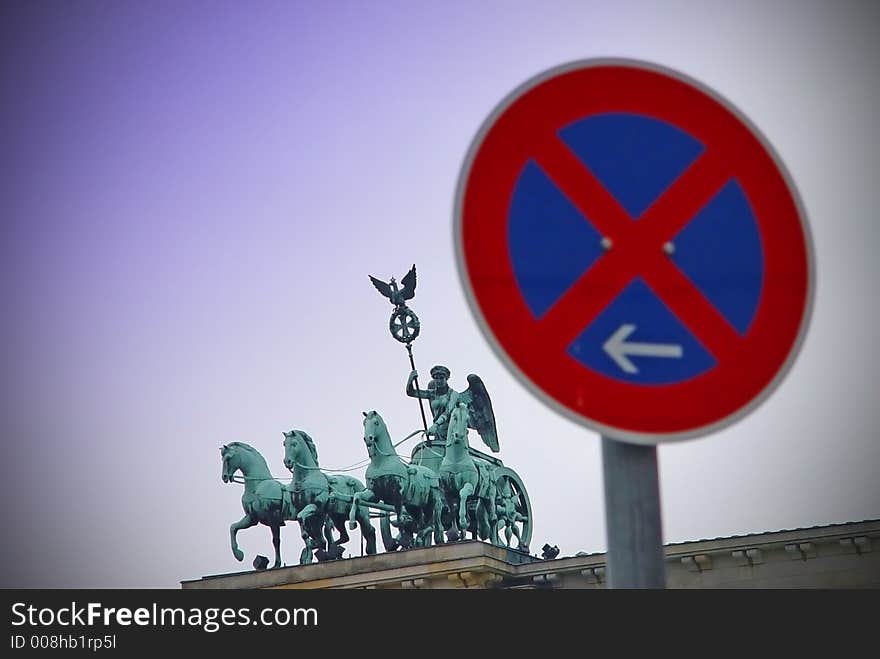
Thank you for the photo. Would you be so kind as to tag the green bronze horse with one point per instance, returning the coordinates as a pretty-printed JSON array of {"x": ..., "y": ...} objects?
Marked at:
[
  {"x": 465, "y": 480},
  {"x": 322, "y": 501},
  {"x": 265, "y": 500},
  {"x": 413, "y": 490}
]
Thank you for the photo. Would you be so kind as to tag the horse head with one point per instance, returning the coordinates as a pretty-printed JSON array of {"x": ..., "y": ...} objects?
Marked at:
[
  {"x": 375, "y": 431},
  {"x": 226, "y": 470},
  {"x": 232, "y": 462},
  {"x": 458, "y": 424},
  {"x": 298, "y": 447},
  {"x": 240, "y": 456}
]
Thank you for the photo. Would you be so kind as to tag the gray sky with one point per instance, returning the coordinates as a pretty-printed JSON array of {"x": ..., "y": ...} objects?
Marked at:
[{"x": 197, "y": 200}]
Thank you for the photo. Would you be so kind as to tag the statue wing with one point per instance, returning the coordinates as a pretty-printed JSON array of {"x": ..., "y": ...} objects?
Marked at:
[
  {"x": 381, "y": 286},
  {"x": 482, "y": 417},
  {"x": 409, "y": 284}
]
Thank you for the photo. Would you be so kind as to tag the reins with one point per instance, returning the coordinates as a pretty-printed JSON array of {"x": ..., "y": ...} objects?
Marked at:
[{"x": 357, "y": 465}]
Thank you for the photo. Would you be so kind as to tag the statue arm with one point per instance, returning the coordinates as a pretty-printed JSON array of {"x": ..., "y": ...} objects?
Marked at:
[{"x": 411, "y": 389}]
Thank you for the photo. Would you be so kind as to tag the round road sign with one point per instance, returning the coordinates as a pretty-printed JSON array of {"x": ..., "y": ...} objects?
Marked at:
[{"x": 634, "y": 250}]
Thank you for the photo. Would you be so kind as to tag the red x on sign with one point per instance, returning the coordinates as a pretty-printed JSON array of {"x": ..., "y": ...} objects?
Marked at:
[{"x": 610, "y": 199}]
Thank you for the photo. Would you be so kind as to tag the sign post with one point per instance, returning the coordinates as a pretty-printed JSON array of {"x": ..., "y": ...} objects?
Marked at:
[
  {"x": 636, "y": 254},
  {"x": 632, "y": 516}
]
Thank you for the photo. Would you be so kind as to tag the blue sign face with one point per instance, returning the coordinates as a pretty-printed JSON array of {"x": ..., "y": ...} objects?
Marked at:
[{"x": 637, "y": 338}]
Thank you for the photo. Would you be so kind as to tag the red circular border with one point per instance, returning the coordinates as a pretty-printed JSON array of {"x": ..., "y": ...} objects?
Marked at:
[{"x": 644, "y": 414}]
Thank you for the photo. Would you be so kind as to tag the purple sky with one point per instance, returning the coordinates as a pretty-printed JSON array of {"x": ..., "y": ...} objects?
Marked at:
[{"x": 193, "y": 195}]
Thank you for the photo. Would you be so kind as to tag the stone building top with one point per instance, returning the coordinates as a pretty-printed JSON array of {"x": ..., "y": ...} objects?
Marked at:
[{"x": 832, "y": 556}]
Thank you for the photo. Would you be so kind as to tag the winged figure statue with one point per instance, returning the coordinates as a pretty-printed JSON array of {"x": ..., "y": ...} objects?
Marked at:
[{"x": 444, "y": 398}]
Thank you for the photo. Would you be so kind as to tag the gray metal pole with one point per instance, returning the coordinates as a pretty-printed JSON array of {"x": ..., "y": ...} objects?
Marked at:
[{"x": 632, "y": 516}]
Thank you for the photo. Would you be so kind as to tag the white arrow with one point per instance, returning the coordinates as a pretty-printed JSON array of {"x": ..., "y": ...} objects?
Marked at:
[{"x": 618, "y": 350}]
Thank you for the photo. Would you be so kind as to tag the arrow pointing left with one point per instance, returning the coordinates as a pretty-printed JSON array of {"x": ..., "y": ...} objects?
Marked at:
[{"x": 620, "y": 351}]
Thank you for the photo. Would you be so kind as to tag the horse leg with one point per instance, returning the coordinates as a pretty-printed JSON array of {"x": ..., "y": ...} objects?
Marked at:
[
  {"x": 438, "y": 519},
  {"x": 388, "y": 540},
  {"x": 492, "y": 515},
  {"x": 426, "y": 528},
  {"x": 498, "y": 523},
  {"x": 489, "y": 524},
  {"x": 463, "y": 494},
  {"x": 515, "y": 531},
  {"x": 339, "y": 523},
  {"x": 405, "y": 535},
  {"x": 306, "y": 556},
  {"x": 335, "y": 548},
  {"x": 307, "y": 511},
  {"x": 480, "y": 526},
  {"x": 352, "y": 512},
  {"x": 313, "y": 527},
  {"x": 454, "y": 533},
  {"x": 245, "y": 522},
  {"x": 365, "y": 495},
  {"x": 367, "y": 530},
  {"x": 328, "y": 531},
  {"x": 311, "y": 536},
  {"x": 311, "y": 530},
  {"x": 276, "y": 543}
]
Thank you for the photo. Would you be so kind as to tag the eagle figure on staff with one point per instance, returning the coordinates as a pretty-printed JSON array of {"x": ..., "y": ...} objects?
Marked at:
[
  {"x": 398, "y": 296},
  {"x": 404, "y": 323}
]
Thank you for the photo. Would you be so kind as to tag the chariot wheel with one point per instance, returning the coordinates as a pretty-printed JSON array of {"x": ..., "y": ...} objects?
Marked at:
[
  {"x": 404, "y": 324},
  {"x": 508, "y": 483}
]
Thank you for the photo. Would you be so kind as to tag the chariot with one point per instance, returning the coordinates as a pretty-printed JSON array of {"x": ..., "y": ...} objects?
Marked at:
[
  {"x": 511, "y": 496},
  {"x": 446, "y": 488}
]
